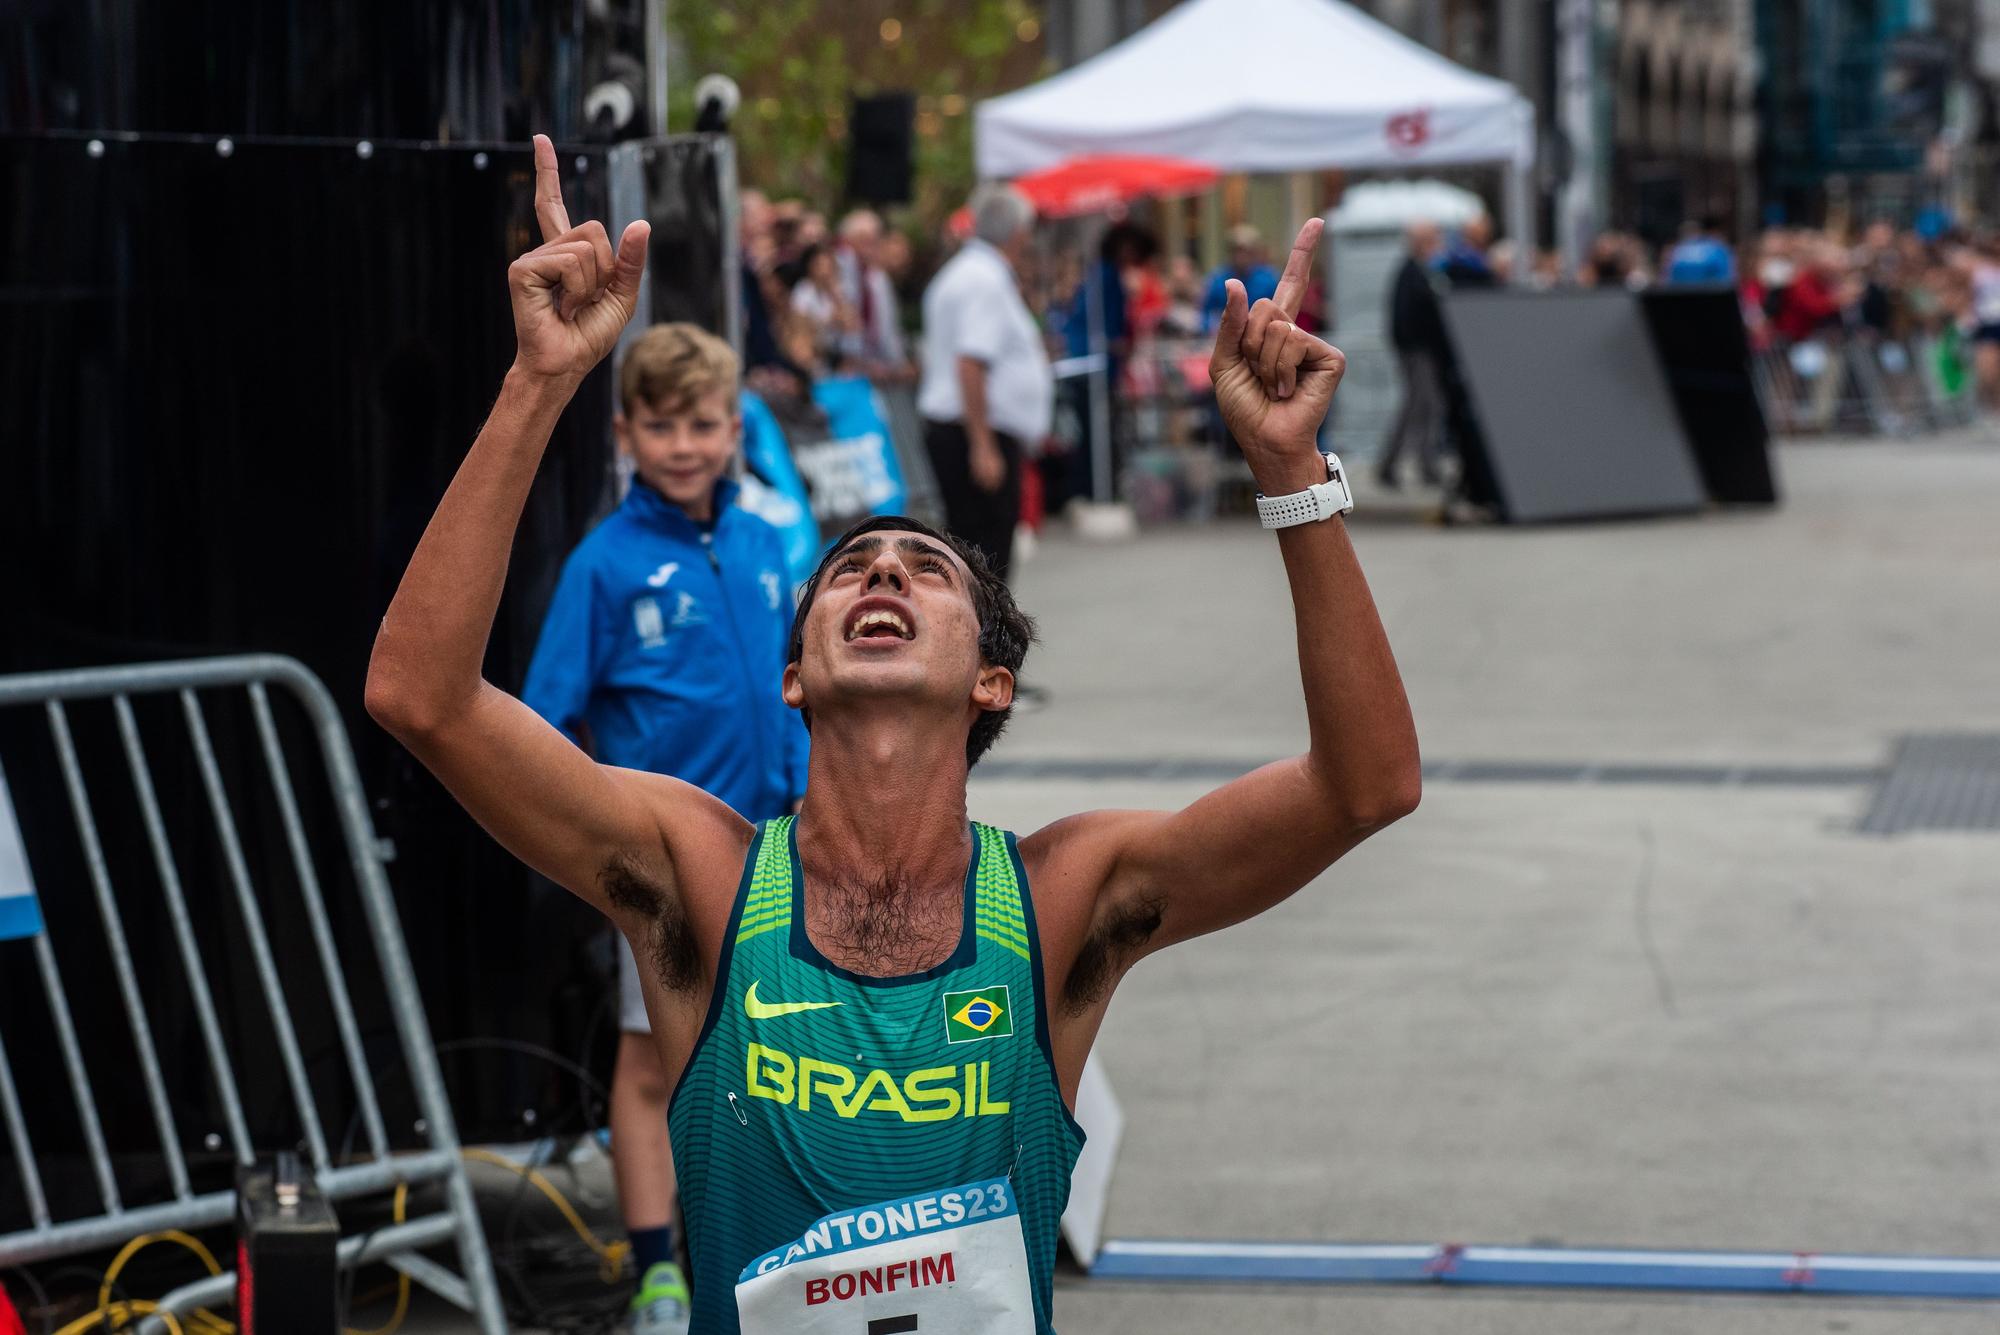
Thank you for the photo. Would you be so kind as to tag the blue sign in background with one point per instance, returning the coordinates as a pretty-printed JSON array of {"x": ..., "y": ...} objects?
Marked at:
[
  {"x": 780, "y": 498},
  {"x": 777, "y": 490},
  {"x": 20, "y": 914}
]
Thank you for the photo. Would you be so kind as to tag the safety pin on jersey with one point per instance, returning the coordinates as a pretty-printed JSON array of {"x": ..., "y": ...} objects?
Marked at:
[{"x": 737, "y": 1108}]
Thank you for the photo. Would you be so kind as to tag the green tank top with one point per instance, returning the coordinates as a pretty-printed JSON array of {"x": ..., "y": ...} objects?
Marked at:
[{"x": 813, "y": 1090}]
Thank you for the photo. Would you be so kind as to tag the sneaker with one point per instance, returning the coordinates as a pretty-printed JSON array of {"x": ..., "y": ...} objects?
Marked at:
[{"x": 660, "y": 1307}]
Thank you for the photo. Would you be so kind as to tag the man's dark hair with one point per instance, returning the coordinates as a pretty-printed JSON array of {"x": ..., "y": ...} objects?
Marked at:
[
  {"x": 1128, "y": 241},
  {"x": 1005, "y": 631}
]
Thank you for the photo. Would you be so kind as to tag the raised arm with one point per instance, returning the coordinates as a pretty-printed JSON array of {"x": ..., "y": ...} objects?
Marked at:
[
  {"x": 1148, "y": 879},
  {"x": 535, "y": 792}
]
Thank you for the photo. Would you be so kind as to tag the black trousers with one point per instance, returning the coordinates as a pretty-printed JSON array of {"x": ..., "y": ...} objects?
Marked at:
[
  {"x": 1419, "y": 426},
  {"x": 986, "y": 519}
]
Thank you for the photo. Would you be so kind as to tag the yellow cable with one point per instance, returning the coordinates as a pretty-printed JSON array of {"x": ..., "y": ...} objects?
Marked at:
[
  {"x": 610, "y": 1256},
  {"x": 118, "y": 1312},
  {"x": 105, "y": 1307},
  {"x": 203, "y": 1321},
  {"x": 143, "y": 1241},
  {"x": 402, "y": 1280},
  {"x": 611, "y": 1265}
]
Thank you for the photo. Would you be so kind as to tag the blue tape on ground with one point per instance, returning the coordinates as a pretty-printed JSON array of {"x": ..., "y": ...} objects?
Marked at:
[{"x": 1556, "y": 1267}]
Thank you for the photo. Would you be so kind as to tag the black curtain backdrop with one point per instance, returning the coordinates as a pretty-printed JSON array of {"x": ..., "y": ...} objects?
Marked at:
[
  {"x": 448, "y": 70},
  {"x": 232, "y": 389}
]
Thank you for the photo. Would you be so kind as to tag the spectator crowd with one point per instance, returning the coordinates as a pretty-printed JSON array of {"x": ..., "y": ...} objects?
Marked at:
[
  {"x": 1933, "y": 290},
  {"x": 825, "y": 299},
  {"x": 1832, "y": 316}
]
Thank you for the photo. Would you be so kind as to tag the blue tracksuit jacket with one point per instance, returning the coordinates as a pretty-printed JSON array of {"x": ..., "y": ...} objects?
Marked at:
[{"x": 668, "y": 644}]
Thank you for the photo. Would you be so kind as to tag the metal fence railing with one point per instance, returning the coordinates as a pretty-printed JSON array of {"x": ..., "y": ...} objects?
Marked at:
[
  {"x": 906, "y": 437},
  {"x": 1856, "y": 381},
  {"x": 215, "y": 934},
  {"x": 1176, "y": 460}
]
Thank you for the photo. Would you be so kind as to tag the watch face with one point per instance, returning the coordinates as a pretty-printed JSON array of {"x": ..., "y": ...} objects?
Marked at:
[{"x": 1335, "y": 476}]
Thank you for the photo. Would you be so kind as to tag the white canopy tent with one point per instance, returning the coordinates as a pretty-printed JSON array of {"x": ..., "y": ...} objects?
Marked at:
[
  {"x": 1378, "y": 206},
  {"x": 1268, "y": 86}
]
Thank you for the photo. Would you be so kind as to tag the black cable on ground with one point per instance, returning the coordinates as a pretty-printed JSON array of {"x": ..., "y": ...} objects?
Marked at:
[
  {"x": 41, "y": 1297},
  {"x": 518, "y": 1257}
]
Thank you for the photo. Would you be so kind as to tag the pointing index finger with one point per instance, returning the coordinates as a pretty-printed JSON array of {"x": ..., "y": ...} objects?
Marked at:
[
  {"x": 1298, "y": 269},
  {"x": 549, "y": 210}
]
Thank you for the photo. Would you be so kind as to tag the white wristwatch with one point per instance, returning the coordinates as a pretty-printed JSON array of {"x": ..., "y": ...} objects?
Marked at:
[{"x": 1310, "y": 506}]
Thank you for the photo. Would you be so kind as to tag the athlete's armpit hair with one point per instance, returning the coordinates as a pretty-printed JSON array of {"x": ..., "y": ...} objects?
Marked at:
[
  {"x": 669, "y": 943},
  {"x": 1113, "y": 945}
]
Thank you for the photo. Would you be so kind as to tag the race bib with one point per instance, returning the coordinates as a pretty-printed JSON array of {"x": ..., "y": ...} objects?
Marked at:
[{"x": 948, "y": 1262}]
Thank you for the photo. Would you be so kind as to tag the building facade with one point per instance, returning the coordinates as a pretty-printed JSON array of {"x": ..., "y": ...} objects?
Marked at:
[
  {"x": 1867, "y": 106},
  {"x": 1652, "y": 113},
  {"x": 1684, "y": 117},
  {"x": 1747, "y": 111}
]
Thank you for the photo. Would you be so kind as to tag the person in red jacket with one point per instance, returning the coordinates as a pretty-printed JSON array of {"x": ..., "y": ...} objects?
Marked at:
[
  {"x": 1812, "y": 302},
  {"x": 1808, "y": 312}
]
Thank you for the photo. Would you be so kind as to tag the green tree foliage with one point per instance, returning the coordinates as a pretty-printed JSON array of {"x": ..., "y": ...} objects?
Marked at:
[{"x": 799, "y": 62}]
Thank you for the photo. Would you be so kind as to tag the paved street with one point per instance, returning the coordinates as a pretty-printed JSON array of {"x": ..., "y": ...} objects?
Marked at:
[
  {"x": 1690, "y": 1013},
  {"x": 1690, "y": 1009}
]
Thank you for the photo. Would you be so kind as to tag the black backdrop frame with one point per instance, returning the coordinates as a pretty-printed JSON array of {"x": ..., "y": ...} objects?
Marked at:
[{"x": 234, "y": 381}]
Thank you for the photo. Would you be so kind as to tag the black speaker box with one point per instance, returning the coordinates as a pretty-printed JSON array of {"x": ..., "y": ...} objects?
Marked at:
[
  {"x": 880, "y": 143},
  {"x": 1698, "y": 333}
]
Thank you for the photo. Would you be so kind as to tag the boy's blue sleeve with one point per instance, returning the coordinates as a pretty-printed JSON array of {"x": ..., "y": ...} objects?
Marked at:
[{"x": 564, "y": 668}]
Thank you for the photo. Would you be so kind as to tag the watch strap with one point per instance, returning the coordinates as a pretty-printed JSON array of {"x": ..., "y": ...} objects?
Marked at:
[{"x": 1311, "y": 506}]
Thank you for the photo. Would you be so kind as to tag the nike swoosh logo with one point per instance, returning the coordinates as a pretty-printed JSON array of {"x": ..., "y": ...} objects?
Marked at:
[{"x": 771, "y": 1010}]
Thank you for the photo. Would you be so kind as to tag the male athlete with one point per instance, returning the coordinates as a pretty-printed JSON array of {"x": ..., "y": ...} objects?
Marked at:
[{"x": 876, "y": 1013}]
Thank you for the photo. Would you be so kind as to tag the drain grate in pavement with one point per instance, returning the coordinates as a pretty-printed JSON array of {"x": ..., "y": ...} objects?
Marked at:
[
  {"x": 1939, "y": 781},
  {"x": 1211, "y": 769}
]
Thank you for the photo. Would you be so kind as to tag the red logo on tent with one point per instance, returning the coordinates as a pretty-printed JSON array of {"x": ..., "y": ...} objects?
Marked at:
[{"x": 1409, "y": 130}]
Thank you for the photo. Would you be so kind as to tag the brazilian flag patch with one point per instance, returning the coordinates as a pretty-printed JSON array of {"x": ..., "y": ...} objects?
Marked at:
[{"x": 984, "y": 1012}]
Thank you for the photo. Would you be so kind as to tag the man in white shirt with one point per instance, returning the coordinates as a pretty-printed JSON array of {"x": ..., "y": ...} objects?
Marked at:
[{"x": 987, "y": 391}]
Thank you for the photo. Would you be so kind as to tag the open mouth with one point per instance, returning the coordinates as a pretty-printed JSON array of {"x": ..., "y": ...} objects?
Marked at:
[{"x": 879, "y": 623}]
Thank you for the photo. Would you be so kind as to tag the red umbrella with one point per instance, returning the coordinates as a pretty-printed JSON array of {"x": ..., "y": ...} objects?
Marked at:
[
  {"x": 1095, "y": 183},
  {"x": 1099, "y": 182}
]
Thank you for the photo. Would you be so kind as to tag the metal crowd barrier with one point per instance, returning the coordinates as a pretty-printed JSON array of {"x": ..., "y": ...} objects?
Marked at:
[
  {"x": 376, "y": 1169},
  {"x": 1857, "y": 381},
  {"x": 906, "y": 437},
  {"x": 1173, "y": 465}
]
